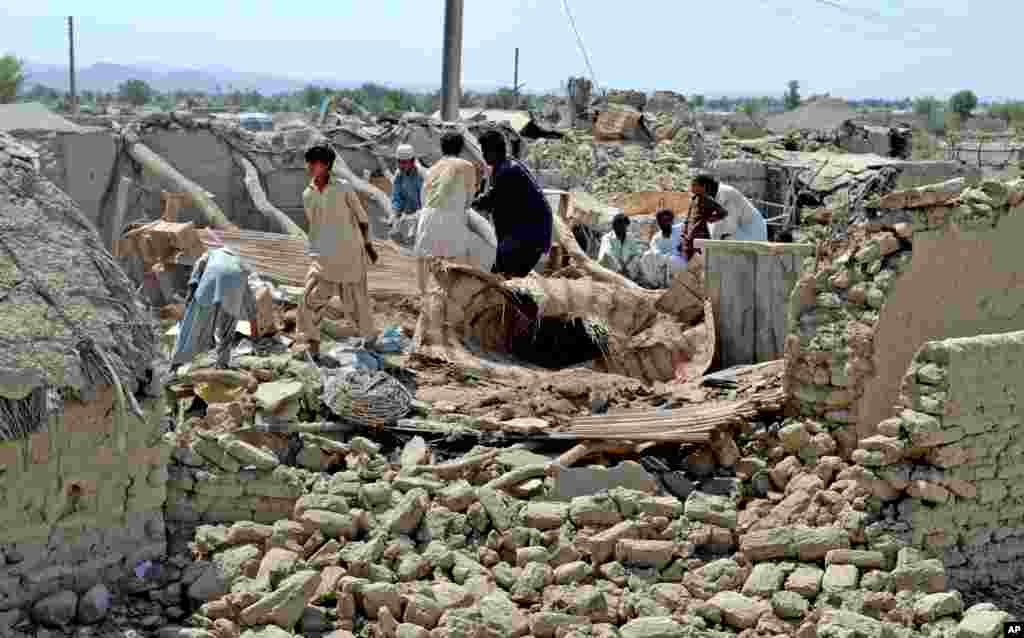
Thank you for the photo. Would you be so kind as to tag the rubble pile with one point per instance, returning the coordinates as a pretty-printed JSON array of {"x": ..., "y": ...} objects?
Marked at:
[
  {"x": 510, "y": 543},
  {"x": 833, "y": 310},
  {"x": 604, "y": 169}
]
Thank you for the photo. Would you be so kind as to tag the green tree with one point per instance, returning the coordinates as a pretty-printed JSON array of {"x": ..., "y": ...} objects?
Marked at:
[
  {"x": 933, "y": 110},
  {"x": 962, "y": 103},
  {"x": 312, "y": 96},
  {"x": 792, "y": 97},
  {"x": 12, "y": 76},
  {"x": 697, "y": 101},
  {"x": 750, "y": 107},
  {"x": 135, "y": 92}
]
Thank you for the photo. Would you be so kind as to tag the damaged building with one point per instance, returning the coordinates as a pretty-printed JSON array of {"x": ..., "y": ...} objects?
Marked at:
[
  {"x": 803, "y": 439},
  {"x": 83, "y": 474}
]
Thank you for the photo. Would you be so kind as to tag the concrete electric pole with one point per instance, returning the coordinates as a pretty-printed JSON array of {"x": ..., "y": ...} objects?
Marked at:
[
  {"x": 71, "y": 68},
  {"x": 451, "y": 74},
  {"x": 515, "y": 82}
]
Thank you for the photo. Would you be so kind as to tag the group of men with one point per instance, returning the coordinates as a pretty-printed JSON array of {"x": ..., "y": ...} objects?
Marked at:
[
  {"x": 717, "y": 211},
  {"x": 341, "y": 250}
]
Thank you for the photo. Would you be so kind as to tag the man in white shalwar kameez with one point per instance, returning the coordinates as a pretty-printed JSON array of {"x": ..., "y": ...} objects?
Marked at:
[{"x": 447, "y": 228}]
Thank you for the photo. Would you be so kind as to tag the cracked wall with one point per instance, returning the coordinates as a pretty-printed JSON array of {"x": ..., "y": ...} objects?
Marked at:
[
  {"x": 80, "y": 502},
  {"x": 951, "y": 457},
  {"x": 865, "y": 304}
]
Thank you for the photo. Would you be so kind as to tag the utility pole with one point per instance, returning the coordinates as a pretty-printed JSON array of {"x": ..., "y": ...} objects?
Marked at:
[
  {"x": 71, "y": 68},
  {"x": 515, "y": 82},
  {"x": 451, "y": 73}
]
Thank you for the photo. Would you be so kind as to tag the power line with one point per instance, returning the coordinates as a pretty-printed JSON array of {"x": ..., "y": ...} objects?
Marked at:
[
  {"x": 868, "y": 14},
  {"x": 579, "y": 41},
  {"x": 862, "y": 14}
]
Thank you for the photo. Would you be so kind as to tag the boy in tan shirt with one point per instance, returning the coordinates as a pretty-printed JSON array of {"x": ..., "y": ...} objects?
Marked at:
[{"x": 339, "y": 243}]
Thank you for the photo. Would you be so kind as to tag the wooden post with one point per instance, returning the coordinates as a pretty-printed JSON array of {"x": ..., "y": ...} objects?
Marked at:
[
  {"x": 749, "y": 283},
  {"x": 171, "y": 203}
]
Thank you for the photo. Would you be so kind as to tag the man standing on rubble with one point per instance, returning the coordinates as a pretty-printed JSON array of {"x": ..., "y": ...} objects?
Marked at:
[
  {"x": 408, "y": 186},
  {"x": 446, "y": 227},
  {"x": 339, "y": 244},
  {"x": 742, "y": 221},
  {"x": 618, "y": 252},
  {"x": 522, "y": 216}
]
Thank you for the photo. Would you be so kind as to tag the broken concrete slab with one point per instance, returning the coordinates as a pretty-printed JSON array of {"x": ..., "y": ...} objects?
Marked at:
[{"x": 584, "y": 481}]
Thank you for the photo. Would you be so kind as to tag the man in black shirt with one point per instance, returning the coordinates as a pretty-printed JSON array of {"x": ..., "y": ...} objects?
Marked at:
[{"x": 522, "y": 216}]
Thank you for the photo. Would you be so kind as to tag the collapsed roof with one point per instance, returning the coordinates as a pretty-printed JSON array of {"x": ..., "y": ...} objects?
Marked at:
[{"x": 70, "y": 317}]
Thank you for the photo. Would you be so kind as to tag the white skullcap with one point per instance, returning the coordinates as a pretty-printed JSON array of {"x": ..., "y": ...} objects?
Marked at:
[{"x": 405, "y": 152}]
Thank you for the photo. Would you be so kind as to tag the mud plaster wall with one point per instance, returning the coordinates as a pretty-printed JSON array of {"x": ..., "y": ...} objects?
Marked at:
[
  {"x": 80, "y": 164},
  {"x": 864, "y": 306},
  {"x": 75, "y": 510},
  {"x": 953, "y": 456},
  {"x": 961, "y": 282},
  {"x": 750, "y": 177},
  {"x": 206, "y": 160}
]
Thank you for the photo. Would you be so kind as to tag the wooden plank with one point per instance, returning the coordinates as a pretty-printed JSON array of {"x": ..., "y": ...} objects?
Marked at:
[
  {"x": 749, "y": 284},
  {"x": 772, "y": 287},
  {"x": 736, "y": 317},
  {"x": 757, "y": 247}
]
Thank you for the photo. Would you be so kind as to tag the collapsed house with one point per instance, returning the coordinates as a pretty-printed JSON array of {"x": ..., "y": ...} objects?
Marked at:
[
  {"x": 846, "y": 489},
  {"x": 83, "y": 469}
]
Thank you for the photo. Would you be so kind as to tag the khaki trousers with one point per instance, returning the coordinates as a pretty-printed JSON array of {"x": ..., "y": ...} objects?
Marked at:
[{"x": 355, "y": 301}]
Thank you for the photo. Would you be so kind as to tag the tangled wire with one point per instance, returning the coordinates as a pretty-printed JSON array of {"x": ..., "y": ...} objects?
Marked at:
[{"x": 371, "y": 399}]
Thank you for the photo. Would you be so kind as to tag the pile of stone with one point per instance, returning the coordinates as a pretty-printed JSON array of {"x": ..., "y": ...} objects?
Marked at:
[
  {"x": 414, "y": 549},
  {"x": 834, "y": 309},
  {"x": 577, "y": 162}
]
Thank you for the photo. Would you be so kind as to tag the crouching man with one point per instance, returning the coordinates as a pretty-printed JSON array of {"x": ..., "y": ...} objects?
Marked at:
[
  {"x": 618, "y": 252},
  {"x": 340, "y": 248},
  {"x": 665, "y": 256},
  {"x": 219, "y": 297}
]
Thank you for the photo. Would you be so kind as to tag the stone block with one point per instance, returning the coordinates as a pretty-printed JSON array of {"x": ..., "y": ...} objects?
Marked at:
[{"x": 583, "y": 481}]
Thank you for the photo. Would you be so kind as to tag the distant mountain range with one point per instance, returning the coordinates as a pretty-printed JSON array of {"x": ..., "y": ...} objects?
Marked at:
[{"x": 106, "y": 77}]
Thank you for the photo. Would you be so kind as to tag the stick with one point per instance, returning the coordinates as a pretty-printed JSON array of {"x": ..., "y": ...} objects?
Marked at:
[
  {"x": 225, "y": 377},
  {"x": 579, "y": 452},
  {"x": 262, "y": 203},
  {"x": 452, "y": 469},
  {"x": 518, "y": 475},
  {"x": 163, "y": 169}
]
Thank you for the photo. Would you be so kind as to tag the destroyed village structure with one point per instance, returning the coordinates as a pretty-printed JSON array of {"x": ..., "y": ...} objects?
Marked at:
[{"x": 815, "y": 436}]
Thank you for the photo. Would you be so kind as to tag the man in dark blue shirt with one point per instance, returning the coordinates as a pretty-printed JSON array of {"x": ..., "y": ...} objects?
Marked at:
[{"x": 522, "y": 216}]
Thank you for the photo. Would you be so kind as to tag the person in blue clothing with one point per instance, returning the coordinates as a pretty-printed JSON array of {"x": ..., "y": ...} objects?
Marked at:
[
  {"x": 219, "y": 297},
  {"x": 522, "y": 216},
  {"x": 406, "y": 192}
]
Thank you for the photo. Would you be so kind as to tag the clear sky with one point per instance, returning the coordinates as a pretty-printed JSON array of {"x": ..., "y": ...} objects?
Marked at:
[{"x": 851, "y": 48}]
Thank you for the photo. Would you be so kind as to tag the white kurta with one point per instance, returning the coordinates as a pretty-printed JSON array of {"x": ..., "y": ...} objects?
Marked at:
[
  {"x": 446, "y": 227},
  {"x": 744, "y": 222}
]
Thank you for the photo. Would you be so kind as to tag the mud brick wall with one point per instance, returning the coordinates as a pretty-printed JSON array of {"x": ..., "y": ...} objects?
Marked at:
[
  {"x": 245, "y": 476},
  {"x": 81, "y": 502},
  {"x": 952, "y": 457},
  {"x": 864, "y": 305}
]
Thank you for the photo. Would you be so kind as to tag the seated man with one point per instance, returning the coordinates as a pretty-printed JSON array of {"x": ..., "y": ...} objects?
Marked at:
[
  {"x": 618, "y": 252},
  {"x": 219, "y": 297},
  {"x": 742, "y": 222},
  {"x": 665, "y": 255}
]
